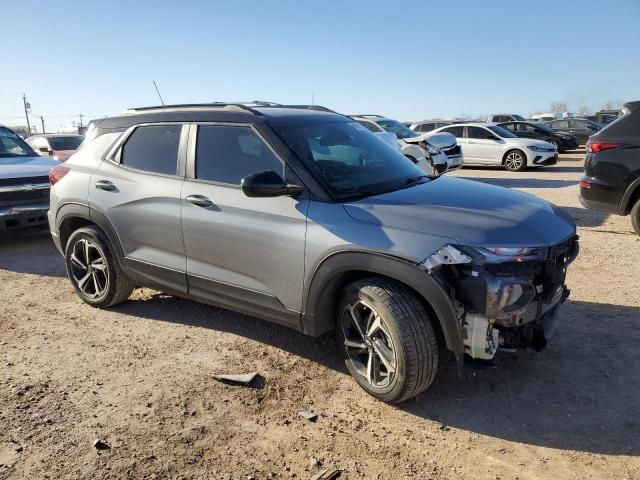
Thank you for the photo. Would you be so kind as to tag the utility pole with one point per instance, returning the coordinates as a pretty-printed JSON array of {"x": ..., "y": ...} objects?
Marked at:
[
  {"x": 42, "y": 121},
  {"x": 27, "y": 107},
  {"x": 80, "y": 115}
]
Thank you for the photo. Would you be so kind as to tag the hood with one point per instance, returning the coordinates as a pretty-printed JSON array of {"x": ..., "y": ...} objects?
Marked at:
[
  {"x": 473, "y": 213},
  {"x": 15, "y": 167},
  {"x": 440, "y": 139}
]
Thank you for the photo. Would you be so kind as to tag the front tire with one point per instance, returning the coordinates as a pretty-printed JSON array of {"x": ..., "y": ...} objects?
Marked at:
[
  {"x": 555, "y": 143},
  {"x": 515, "y": 161},
  {"x": 635, "y": 217},
  {"x": 93, "y": 270},
  {"x": 388, "y": 339}
]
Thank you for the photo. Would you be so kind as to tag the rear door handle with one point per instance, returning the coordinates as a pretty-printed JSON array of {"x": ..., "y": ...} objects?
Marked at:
[
  {"x": 106, "y": 185},
  {"x": 199, "y": 200}
]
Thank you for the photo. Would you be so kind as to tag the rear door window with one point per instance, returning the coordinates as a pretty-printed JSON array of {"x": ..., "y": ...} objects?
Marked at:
[
  {"x": 457, "y": 131},
  {"x": 153, "y": 148},
  {"x": 478, "y": 133},
  {"x": 227, "y": 154}
]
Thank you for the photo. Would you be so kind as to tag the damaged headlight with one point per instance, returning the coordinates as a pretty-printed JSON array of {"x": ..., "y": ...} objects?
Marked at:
[
  {"x": 431, "y": 150},
  {"x": 457, "y": 254},
  {"x": 511, "y": 254}
]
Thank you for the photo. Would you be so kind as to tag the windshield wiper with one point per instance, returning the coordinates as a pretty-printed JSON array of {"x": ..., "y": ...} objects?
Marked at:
[{"x": 415, "y": 180}]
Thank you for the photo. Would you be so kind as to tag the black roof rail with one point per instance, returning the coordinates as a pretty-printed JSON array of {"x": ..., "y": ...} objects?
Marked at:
[
  {"x": 319, "y": 108},
  {"x": 367, "y": 115},
  {"x": 196, "y": 105}
]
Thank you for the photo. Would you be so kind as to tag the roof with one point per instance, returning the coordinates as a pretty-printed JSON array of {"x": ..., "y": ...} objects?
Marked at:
[{"x": 218, "y": 112}]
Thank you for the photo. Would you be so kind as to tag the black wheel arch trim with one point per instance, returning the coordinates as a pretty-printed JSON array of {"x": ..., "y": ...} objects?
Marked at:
[
  {"x": 625, "y": 204},
  {"x": 323, "y": 291},
  {"x": 79, "y": 210}
]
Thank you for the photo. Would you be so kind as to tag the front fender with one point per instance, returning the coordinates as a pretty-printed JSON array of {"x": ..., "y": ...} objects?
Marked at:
[{"x": 337, "y": 270}]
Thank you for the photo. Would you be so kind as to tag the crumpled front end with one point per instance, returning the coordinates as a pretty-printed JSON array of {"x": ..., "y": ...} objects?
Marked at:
[{"x": 505, "y": 298}]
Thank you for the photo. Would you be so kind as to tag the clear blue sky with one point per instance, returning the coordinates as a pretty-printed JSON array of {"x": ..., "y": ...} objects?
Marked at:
[{"x": 408, "y": 60}]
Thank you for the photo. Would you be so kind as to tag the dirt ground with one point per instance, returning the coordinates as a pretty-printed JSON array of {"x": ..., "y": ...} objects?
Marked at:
[{"x": 138, "y": 377}]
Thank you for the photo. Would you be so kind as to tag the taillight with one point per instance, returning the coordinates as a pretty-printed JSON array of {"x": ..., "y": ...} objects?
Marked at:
[
  {"x": 597, "y": 147},
  {"x": 56, "y": 173},
  {"x": 584, "y": 184}
]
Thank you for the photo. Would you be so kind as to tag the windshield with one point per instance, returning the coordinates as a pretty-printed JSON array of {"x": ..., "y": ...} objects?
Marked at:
[
  {"x": 65, "y": 143},
  {"x": 348, "y": 159},
  {"x": 518, "y": 117},
  {"x": 501, "y": 132},
  {"x": 11, "y": 145},
  {"x": 399, "y": 129}
]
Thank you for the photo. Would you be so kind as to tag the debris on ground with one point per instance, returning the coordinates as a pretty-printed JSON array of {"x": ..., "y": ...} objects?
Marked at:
[
  {"x": 327, "y": 474},
  {"x": 101, "y": 445},
  {"x": 237, "y": 379},
  {"x": 444, "y": 427},
  {"x": 308, "y": 414}
]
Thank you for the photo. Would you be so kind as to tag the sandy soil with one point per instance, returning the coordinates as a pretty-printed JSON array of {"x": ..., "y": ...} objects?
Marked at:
[{"x": 138, "y": 377}]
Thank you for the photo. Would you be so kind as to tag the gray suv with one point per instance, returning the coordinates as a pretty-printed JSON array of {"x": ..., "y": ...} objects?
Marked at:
[{"x": 305, "y": 218}]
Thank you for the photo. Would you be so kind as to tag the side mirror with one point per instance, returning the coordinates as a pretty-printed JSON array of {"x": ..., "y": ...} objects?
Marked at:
[
  {"x": 268, "y": 184},
  {"x": 492, "y": 137},
  {"x": 44, "y": 150}
]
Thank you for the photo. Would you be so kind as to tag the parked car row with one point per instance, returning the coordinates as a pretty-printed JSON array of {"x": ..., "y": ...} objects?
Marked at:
[
  {"x": 564, "y": 129},
  {"x": 376, "y": 249}
]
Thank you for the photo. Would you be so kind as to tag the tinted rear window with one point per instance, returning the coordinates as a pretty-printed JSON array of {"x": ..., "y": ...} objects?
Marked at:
[
  {"x": 65, "y": 143},
  {"x": 153, "y": 148}
]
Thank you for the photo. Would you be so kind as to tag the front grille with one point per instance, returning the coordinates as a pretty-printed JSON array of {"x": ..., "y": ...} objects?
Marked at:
[
  {"x": 23, "y": 180},
  {"x": 453, "y": 150},
  {"x": 24, "y": 195}
]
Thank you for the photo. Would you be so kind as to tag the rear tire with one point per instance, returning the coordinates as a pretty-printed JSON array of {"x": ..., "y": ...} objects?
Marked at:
[
  {"x": 635, "y": 217},
  {"x": 93, "y": 269},
  {"x": 389, "y": 342},
  {"x": 515, "y": 161}
]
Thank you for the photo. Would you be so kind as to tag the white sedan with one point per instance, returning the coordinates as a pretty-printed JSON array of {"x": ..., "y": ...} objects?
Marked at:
[{"x": 488, "y": 144}]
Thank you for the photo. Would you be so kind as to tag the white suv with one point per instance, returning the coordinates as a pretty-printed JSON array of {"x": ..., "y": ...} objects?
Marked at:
[{"x": 488, "y": 144}]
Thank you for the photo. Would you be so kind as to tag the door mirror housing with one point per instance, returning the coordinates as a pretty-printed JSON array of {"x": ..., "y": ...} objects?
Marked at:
[
  {"x": 268, "y": 184},
  {"x": 493, "y": 137}
]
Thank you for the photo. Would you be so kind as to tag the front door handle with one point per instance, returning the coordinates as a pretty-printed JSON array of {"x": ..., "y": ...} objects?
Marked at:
[
  {"x": 106, "y": 185},
  {"x": 199, "y": 200}
]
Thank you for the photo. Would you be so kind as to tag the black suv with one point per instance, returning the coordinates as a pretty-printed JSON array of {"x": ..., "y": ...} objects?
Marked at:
[
  {"x": 580, "y": 127},
  {"x": 611, "y": 181},
  {"x": 563, "y": 141}
]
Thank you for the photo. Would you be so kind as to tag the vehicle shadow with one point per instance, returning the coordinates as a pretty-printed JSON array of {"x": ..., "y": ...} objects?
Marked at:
[
  {"x": 585, "y": 217},
  {"x": 580, "y": 394},
  {"x": 34, "y": 244}
]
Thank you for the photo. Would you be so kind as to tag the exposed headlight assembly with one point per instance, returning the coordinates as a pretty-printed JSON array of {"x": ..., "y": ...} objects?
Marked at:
[
  {"x": 431, "y": 150},
  {"x": 457, "y": 254}
]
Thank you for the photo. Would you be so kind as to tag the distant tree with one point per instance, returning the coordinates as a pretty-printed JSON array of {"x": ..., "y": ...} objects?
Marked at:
[
  {"x": 611, "y": 105},
  {"x": 583, "y": 111},
  {"x": 558, "y": 107}
]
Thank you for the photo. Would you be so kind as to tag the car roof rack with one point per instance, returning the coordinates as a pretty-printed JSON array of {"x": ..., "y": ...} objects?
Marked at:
[
  {"x": 368, "y": 115},
  {"x": 240, "y": 106}
]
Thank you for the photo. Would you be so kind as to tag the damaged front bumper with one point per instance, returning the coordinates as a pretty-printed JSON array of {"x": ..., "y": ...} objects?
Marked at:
[{"x": 504, "y": 297}]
